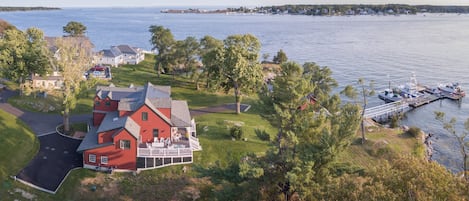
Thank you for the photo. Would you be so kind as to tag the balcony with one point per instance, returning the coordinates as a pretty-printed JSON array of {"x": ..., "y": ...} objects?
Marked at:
[{"x": 173, "y": 150}]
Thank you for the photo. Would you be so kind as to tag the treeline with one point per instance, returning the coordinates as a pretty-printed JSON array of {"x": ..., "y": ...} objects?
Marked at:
[
  {"x": 352, "y": 9},
  {"x": 8, "y": 9},
  {"x": 313, "y": 129}
]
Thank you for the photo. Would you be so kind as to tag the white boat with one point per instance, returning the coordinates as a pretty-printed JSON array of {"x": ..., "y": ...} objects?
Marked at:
[
  {"x": 410, "y": 90},
  {"x": 453, "y": 88}
]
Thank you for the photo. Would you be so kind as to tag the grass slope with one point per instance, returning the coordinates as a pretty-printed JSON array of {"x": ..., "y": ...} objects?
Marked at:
[
  {"x": 173, "y": 183},
  {"x": 382, "y": 144},
  {"x": 18, "y": 145}
]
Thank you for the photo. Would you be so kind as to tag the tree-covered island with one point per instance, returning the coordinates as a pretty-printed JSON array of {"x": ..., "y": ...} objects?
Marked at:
[
  {"x": 9, "y": 9},
  {"x": 335, "y": 9}
]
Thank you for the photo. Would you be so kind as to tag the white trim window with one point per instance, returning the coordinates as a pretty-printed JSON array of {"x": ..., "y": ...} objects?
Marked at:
[
  {"x": 125, "y": 144},
  {"x": 104, "y": 160},
  {"x": 92, "y": 158}
]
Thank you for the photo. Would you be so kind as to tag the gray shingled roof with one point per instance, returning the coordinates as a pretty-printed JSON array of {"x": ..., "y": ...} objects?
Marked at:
[
  {"x": 161, "y": 102},
  {"x": 153, "y": 91},
  {"x": 113, "y": 52},
  {"x": 126, "y": 49},
  {"x": 117, "y": 93},
  {"x": 152, "y": 107},
  {"x": 110, "y": 122},
  {"x": 180, "y": 115},
  {"x": 130, "y": 100},
  {"x": 91, "y": 141},
  {"x": 47, "y": 77},
  {"x": 133, "y": 128}
]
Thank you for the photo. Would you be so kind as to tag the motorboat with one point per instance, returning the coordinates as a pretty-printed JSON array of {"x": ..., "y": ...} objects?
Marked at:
[
  {"x": 389, "y": 96},
  {"x": 452, "y": 88}
]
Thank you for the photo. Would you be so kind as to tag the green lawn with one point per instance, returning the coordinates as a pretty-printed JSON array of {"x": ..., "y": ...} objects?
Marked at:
[
  {"x": 18, "y": 145},
  {"x": 213, "y": 132},
  {"x": 171, "y": 183},
  {"x": 52, "y": 103},
  {"x": 382, "y": 143},
  {"x": 181, "y": 87}
]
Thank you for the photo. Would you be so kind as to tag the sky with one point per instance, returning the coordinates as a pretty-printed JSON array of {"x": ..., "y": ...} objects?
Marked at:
[{"x": 222, "y": 3}]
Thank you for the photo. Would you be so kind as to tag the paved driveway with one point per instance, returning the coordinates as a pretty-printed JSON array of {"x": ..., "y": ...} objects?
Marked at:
[
  {"x": 40, "y": 123},
  {"x": 56, "y": 157}
]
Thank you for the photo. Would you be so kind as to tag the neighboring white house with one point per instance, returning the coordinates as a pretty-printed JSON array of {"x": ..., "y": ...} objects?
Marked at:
[
  {"x": 121, "y": 54},
  {"x": 111, "y": 57},
  {"x": 48, "y": 82}
]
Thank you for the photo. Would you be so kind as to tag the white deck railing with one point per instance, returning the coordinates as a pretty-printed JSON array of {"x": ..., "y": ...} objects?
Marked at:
[{"x": 164, "y": 152}]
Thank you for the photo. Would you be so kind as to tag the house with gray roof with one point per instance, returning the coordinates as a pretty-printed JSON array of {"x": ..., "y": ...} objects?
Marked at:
[
  {"x": 138, "y": 128},
  {"x": 121, "y": 54}
]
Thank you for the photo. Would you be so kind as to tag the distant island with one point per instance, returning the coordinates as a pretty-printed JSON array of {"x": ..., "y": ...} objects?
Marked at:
[
  {"x": 9, "y": 9},
  {"x": 333, "y": 10}
]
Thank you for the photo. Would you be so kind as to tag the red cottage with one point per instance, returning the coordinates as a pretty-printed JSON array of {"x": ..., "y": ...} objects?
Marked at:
[{"x": 138, "y": 128}]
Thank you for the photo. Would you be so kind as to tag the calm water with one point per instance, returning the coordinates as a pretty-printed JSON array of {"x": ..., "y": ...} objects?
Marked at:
[{"x": 379, "y": 48}]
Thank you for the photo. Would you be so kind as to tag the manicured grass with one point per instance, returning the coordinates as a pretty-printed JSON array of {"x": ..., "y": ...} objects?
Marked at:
[
  {"x": 218, "y": 148},
  {"x": 52, "y": 103},
  {"x": 214, "y": 136},
  {"x": 172, "y": 183},
  {"x": 181, "y": 87},
  {"x": 18, "y": 145}
]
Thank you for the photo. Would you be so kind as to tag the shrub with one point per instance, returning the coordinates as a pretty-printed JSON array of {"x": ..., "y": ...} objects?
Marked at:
[
  {"x": 394, "y": 121},
  {"x": 414, "y": 132},
  {"x": 236, "y": 132},
  {"x": 261, "y": 134}
]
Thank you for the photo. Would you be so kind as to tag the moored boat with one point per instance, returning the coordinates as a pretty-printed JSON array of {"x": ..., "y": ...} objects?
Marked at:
[
  {"x": 452, "y": 88},
  {"x": 389, "y": 96}
]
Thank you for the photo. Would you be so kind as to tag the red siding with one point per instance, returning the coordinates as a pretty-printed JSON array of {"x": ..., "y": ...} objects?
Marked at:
[
  {"x": 166, "y": 112},
  {"x": 154, "y": 122},
  {"x": 100, "y": 104},
  {"x": 106, "y": 136},
  {"x": 98, "y": 118},
  {"x": 117, "y": 158}
]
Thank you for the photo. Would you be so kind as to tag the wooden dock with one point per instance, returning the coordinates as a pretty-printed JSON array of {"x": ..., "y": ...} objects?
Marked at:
[
  {"x": 389, "y": 109},
  {"x": 423, "y": 100}
]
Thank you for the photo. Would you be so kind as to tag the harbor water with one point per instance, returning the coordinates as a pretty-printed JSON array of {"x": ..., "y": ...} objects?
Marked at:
[{"x": 379, "y": 48}]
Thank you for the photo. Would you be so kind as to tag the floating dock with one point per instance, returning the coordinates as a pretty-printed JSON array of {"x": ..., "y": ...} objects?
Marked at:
[{"x": 429, "y": 95}]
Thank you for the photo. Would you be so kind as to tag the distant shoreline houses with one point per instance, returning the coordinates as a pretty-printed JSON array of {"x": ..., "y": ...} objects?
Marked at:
[
  {"x": 103, "y": 60},
  {"x": 121, "y": 54}
]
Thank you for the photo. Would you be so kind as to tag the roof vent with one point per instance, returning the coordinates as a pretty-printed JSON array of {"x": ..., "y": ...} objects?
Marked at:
[{"x": 115, "y": 118}]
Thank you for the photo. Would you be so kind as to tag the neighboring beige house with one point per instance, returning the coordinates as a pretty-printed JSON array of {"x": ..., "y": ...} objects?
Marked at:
[
  {"x": 121, "y": 54},
  {"x": 55, "y": 79},
  {"x": 48, "y": 82}
]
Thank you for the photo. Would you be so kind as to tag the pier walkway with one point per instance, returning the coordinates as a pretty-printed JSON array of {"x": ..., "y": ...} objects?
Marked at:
[
  {"x": 386, "y": 109},
  {"x": 404, "y": 105}
]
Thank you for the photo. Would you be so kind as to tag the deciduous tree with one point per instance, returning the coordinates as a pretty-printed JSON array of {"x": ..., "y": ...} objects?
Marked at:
[
  {"x": 240, "y": 70},
  {"x": 404, "y": 178},
  {"x": 450, "y": 126},
  {"x": 210, "y": 53},
  {"x": 23, "y": 55},
  {"x": 74, "y": 58},
  {"x": 74, "y": 29},
  {"x": 186, "y": 54},
  {"x": 163, "y": 41},
  {"x": 366, "y": 90}
]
